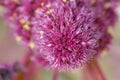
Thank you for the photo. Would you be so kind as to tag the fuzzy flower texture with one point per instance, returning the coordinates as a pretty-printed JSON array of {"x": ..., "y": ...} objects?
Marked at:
[{"x": 63, "y": 34}]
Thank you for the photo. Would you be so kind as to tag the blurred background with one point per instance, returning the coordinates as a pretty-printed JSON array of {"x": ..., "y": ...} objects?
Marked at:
[{"x": 11, "y": 51}]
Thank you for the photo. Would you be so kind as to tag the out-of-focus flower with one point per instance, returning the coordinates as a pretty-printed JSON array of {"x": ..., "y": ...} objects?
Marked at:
[
  {"x": 19, "y": 14},
  {"x": 105, "y": 11},
  {"x": 7, "y": 71}
]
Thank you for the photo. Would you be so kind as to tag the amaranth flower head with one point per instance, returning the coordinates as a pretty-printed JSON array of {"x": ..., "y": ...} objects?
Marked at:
[{"x": 65, "y": 36}]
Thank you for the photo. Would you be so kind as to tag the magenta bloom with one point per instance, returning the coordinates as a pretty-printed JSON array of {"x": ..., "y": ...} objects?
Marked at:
[{"x": 65, "y": 36}]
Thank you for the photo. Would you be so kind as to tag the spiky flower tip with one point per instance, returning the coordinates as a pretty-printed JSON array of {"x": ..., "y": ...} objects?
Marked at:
[
  {"x": 105, "y": 11},
  {"x": 65, "y": 36}
]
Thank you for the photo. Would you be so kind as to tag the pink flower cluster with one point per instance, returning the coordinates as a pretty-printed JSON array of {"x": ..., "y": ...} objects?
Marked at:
[{"x": 63, "y": 34}]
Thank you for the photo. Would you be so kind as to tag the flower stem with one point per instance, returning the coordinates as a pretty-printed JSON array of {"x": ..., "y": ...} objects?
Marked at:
[
  {"x": 92, "y": 71},
  {"x": 31, "y": 71},
  {"x": 99, "y": 71},
  {"x": 26, "y": 63},
  {"x": 55, "y": 75}
]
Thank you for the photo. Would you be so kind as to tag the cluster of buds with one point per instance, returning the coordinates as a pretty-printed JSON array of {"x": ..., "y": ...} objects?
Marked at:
[{"x": 63, "y": 34}]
